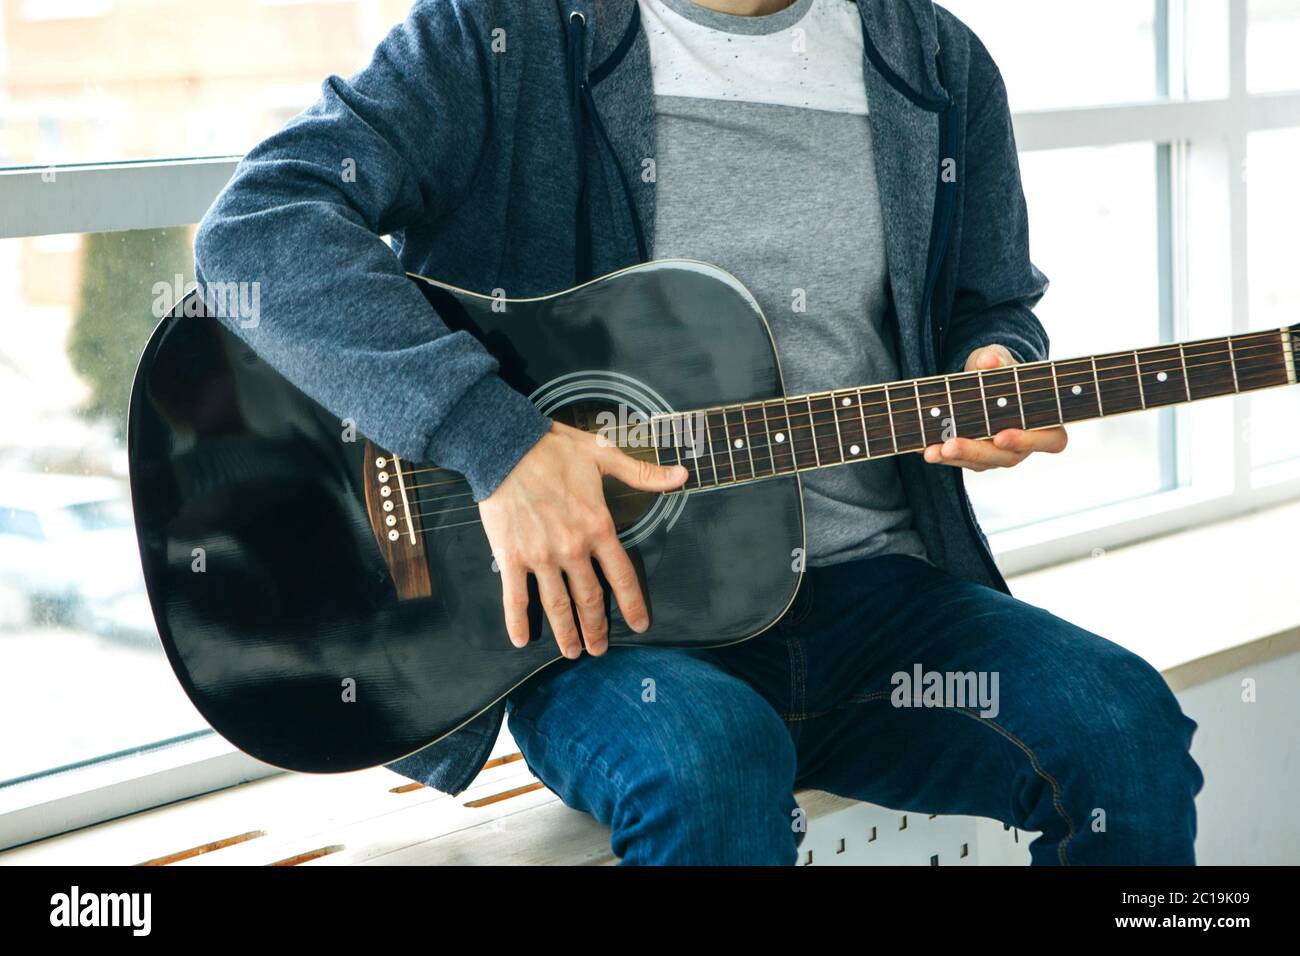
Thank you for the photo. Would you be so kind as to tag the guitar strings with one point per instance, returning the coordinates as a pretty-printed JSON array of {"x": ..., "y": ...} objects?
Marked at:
[
  {"x": 963, "y": 377},
  {"x": 720, "y": 467},
  {"x": 910, "y": 436},
  {"x": 893, "y": 405}
]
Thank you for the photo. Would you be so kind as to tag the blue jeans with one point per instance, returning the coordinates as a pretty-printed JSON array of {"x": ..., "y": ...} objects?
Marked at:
[{"x": 692, "y": 756}]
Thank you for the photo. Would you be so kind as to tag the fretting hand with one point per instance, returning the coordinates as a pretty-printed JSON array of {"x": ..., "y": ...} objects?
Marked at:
[{"x": 1008, "y": 447}]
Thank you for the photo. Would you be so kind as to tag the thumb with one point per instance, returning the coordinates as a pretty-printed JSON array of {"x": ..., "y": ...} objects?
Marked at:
[
  {"x": 990, "y": 356},
  {"x": 639, "y": 473}
]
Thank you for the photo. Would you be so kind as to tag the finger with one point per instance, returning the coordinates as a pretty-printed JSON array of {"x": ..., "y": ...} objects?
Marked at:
[
  {"x": 639, "y": 472},
  {"x": 989, "y": 357},
  {"x": 589, "y": 598},
  {"x": 620, "y": 574},
  {"x": 934, "y": 455},
  {"x": 559, "y": 611},
  {"x": 1051, "y": 440},
  {"x": 965, "y": 452},
  {"x": 514, "y": 599}
]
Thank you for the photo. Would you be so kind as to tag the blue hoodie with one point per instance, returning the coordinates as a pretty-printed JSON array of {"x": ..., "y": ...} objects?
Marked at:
[{"x": 500, "y": 144}]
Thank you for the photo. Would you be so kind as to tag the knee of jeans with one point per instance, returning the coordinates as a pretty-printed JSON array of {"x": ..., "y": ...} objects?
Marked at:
[
  {"x": 727, "y": 756},
  {"x": 1143, "y": 719}
]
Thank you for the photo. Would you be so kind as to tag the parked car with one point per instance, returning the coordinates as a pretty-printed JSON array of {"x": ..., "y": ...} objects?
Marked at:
[{"x": 67, "y": 543}]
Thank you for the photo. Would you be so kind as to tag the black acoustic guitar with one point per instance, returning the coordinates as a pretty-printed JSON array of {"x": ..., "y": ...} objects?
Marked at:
[{"x": 328, "y": 606}]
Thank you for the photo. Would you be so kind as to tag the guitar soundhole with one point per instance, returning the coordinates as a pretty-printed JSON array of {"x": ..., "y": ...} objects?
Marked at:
[{"x": 632, "y": 434}]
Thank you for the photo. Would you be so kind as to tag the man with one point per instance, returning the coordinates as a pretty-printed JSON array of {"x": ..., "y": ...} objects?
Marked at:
[{"x": 854, "y": 165}]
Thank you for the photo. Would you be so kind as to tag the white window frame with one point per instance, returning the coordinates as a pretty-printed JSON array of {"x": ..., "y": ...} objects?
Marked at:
[{"x": 169, "y": 193}]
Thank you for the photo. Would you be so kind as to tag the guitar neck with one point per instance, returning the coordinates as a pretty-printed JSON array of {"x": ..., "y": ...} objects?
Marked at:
[{"x": 733, "y": 444}]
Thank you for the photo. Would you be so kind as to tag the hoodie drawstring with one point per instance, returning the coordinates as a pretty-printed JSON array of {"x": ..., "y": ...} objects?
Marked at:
[{"x": 586, "y": 115}]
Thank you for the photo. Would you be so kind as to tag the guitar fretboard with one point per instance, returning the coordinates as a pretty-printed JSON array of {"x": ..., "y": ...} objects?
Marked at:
[{"x": 731, "y": 444}]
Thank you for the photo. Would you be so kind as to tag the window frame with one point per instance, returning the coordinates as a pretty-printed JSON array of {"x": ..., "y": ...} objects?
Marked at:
[{"x": 165, "y": 193}]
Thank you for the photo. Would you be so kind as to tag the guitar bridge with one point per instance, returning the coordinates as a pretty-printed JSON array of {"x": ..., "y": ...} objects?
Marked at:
[{"x": 392, "y": 507}]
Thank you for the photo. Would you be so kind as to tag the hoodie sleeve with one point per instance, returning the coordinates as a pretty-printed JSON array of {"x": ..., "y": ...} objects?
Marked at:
[
  {"x": 303, "y": 216},
  {"x": 997, "y": 285}
]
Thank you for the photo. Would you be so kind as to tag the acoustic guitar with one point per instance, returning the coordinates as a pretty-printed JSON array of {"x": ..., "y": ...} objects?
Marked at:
[{"x": 329, "y": 606}]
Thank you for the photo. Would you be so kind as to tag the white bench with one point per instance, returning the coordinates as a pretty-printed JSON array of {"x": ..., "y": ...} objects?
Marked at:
[{"x": 1229, "y": 608}]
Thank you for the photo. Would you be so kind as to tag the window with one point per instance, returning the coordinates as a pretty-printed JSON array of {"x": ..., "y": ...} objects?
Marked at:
[
  {"x": 1160, "y": 207},
  {"x": 1137, "y": 121},
  {"x": 1274, "y": 279},
  {"x": 72, "y": 599},
  {"x": 86, "y": 81},
  {"x": 1098, "y": 243},
  {"x": 1055, "y": 55},
  {"x": 1272, "y": 41}
]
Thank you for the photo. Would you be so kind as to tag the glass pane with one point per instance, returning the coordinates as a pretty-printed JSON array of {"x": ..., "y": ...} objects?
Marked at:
[
  {"x": 1093, "y": 228},
  {"x": 88, "y": 676},
  {"x": 1272, "y": 38},
  {"x": 1274, "y": 281},
  {"x": 93, "y": 80},
  {"x": 1055, "y": 53}
]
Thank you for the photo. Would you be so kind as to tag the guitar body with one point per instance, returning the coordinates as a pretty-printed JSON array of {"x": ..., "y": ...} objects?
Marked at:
[{"x": 311, "y": 637}]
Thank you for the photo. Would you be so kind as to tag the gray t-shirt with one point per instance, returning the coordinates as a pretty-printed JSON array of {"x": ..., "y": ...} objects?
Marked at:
[{"x": 764, "y": 167}]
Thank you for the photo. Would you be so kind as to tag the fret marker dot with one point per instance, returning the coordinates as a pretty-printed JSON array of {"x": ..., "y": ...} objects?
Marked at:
[
  {"x": 780, "y": 437},
  {"x": 739, "y": 443},
  {"x": 934, "y": 413},
  {"x": 1077, "y": 390},
  {"x": 1002, "y": 403},
  {"x": 845, "y": 401},
  {"x": 1162, "y": 376},
  {"x": 854, "y": 449}
]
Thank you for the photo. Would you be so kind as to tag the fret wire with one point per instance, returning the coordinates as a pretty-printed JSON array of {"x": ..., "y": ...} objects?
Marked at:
[
  {"x": 952, "y": 409},
  {"x": 785, "y": 433},
  {"x": 713, "y": 458},
  {"x": 1101, "y": 411},
  {"x": 673, "y": 423},
  {"x": 862, "y": 414},
  {"x": 749, "y": 445},
  {"x": 726, "y": 437},
  {"x": 812, "y": 427},
  {"x": 839, "y": 437},
  {"x": 889, "y": 414},
  {"x": 789, "y": 441},
  {"x": 1233, "y": 359},
  {"x": 767, "y": 434},
  {"x": 1142, "y": 392},
  {"x": 1056, "y": 390},
  {"x": 1020, "y": 397},
  {"x": 984, "y": 401},
  {"x": 1182, "y": 357},
  {"x": 920, "y": 415}
]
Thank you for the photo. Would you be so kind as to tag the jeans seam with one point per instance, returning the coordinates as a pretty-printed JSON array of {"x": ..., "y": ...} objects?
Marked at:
[
  {"x": 1028, "y": 751},
  {"x": 572, "y": 746},
  {"x": 798, "y": 677}
]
